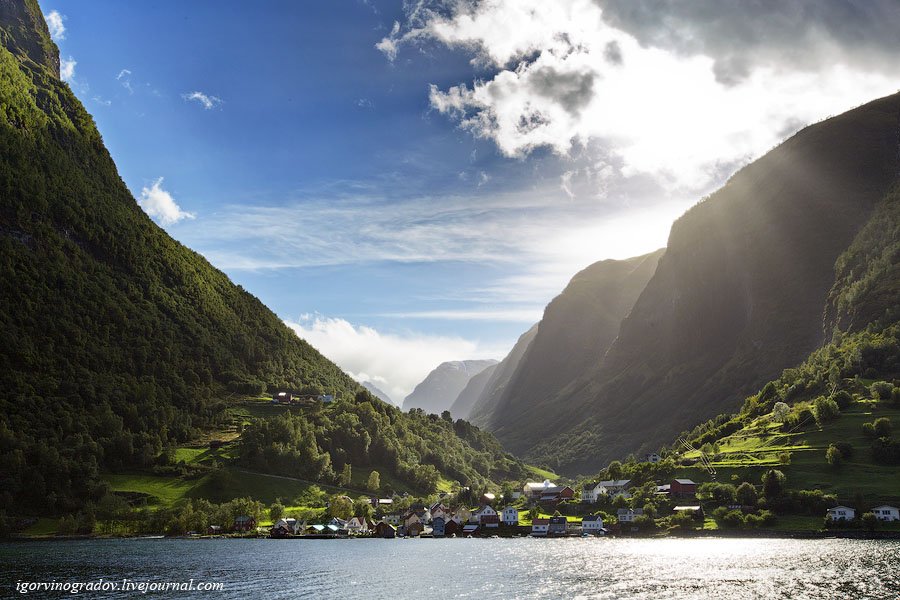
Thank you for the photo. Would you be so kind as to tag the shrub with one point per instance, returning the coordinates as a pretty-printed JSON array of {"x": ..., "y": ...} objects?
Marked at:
[
  {"x": 833, "y": 456},
  {"x": 825, "y": 410},
  {"x": 843, "y": 399},
  {"x": 869, "y": 521},
  {"x": 746, "y": 494},
  {"x": 868, "y": 430},
  {"x": 882, "y": 427},
  {"x": 845, "y": 448},
  {"x": 881, "y": 390}
]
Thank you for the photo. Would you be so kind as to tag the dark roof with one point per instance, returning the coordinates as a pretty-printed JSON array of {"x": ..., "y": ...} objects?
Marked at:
[
  {"x": 557, "y": 520},
  {"x": 686, "y": 482},
  {"x": 592, "y": 518}
]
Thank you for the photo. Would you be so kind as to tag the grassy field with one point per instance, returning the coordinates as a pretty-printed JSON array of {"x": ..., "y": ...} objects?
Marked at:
[
  {"x": 759, "y": 446},
  {"x": 541, "y": 473}
]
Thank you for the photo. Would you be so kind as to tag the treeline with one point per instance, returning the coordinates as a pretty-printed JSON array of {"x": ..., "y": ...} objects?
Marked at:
[
  {"x": 115, "y": 340},
  {"x": 417, "y": 448}
]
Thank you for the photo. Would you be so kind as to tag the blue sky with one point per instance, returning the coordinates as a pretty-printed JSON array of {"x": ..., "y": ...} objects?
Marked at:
[{"x": 411, "y": 182}]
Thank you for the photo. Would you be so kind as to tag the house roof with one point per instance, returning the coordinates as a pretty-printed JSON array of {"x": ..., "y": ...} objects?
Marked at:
[
  {"x": 540, "y": 522},
  {"x": 842, "y": 506},
  {"x": 592, "y": 518},
  {"x": 470, "y": 528},
  {"x": 557, "y": 520},
  {"x": 886, "y": 506},
  {"x": 685, "y": 482},
  {"x": 510, "y": 508},
  {"x": 687, "y": 508},
  {"x": 615, "y": 482},
  {"x": 634, "y": 511},
  {"x": 534, "y": 485}
]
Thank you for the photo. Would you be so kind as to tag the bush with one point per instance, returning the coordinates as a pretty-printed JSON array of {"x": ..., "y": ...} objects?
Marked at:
[
  {"x": 825, "y": 410},
  {"x": 845, "y": 448},
  {"x": 869, "y": 521},
  {"x": 868, "y": 430},
  {"x": 881, "y": 390},
  {"x": 833, "y": 456},
  {"x": 882, "y": 427},
  {"x": 843, "y": 399}
]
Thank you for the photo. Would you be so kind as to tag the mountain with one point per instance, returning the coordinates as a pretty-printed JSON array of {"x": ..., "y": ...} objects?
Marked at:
[
  {"x": 483, "y": 408},
  {"x": 437, "y": 392},
  {"x": 471, "y": 393},
  {"x": 738, "y": 296},
  {"x": 378, "y": 393},
  {"x": 578, "y": 327},
  {"x": 118, "y": 344}
]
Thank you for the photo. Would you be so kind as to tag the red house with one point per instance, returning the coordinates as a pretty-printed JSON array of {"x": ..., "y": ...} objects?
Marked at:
[
  {"x": 244, "y": 523},
  {"x": 683, "y": 488}
]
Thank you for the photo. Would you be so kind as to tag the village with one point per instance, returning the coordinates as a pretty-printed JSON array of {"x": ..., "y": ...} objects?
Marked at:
[{"x": 526, "y": 514}]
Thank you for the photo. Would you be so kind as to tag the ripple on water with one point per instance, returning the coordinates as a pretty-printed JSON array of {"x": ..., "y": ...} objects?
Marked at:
[{"x": 729, "y": 569}]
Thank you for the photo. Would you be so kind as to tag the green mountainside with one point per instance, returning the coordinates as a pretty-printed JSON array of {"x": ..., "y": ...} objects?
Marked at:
[
  {"x": 117, "y": 343},
  {"x": 738, "y": 296},
  {"x": 483, "y": 408}
]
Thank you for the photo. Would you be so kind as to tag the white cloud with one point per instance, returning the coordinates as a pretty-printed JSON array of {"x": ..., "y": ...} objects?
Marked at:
[
  {"x": 160, "y": 205},
  {"x": 389, "y": 45},
  {"x": 509, "y": 315},
  {"x": 124, "y": 78},
  {"x": 208, "y": 102},
  {"x": 55, "y": 25},
  {"x": 67, "y": 69},
  {"x": 554, "y": 82},
  {"x": 395, "y": 362}
]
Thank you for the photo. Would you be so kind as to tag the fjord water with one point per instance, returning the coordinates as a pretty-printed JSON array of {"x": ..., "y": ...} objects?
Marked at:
[{"x": 471, "y": 568}]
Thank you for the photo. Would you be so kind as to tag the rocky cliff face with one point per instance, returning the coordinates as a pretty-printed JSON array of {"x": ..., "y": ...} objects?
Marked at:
[
  {"x": 738, "y": 296},
  {"x": 25, "y": 34},
  {"x": 471, "y": 393},
  {"x": 483, "y": 409}
]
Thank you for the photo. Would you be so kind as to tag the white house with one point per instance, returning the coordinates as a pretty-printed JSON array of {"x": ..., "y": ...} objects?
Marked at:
[
  {"x": 593, "y": 524},
  {"x": 590, "y": 492},
  {"x": 841, "y": 513},
  {"x": 357, "y": 525},
  {"x": 886, "y": 513},
  {"x": 615, "y": 487},
  {"x": 486, "y": 516},
  {"x": 627, "y": 515},
  {"x": 540, "y": 527},
  {"x": 510, "y": 516},
  {"x": 533, "y": 489}
]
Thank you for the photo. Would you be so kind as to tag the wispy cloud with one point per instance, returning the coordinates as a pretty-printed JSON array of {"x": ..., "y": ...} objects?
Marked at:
[
  {"x": 509, "y": 315},
  {"x": 55, "y": 25},
  {"x": 124, "y": 78},
  {"x": 160, "y": 205},
  {"x": 208, "y": 102},
  {"x": 395, "y": 361}
]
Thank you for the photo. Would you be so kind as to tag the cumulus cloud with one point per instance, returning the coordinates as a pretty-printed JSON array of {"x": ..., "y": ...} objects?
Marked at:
[
  {"x": 395, "y": 362},
  {"x": 160, "y": 205},
  {"x": 208, "y": 102},
  {"x": 67, "y": 69},
  {"x": 55, "y": 25},
  {"x": 658, "y": 84}
]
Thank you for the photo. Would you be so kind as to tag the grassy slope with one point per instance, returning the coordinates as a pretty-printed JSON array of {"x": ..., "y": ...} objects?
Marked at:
[{"x": 756, "y": 449}]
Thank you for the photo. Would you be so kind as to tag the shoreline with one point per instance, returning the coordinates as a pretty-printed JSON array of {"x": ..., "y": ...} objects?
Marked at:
[{"x": 705, "y": 534}]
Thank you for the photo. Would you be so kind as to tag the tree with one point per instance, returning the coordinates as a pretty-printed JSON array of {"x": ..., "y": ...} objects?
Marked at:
[
  {"x": 746, "y": 494},
  {"x": 614, "y": 470},
  {"x": 346, "y": 475},
  {"x": 773, "y": 482},
  {"x": 881, "y": 390},
  {"x": 882, "y": 427},
  {"x": 834, "y": 456},
  {"x": 276, "y": 510},
  {"x": 780, "y": 411},
  {"x": 869, "y": 521},
  {"x": 533, "y": 513},
  {"x": 362, "y": 508},
  {"x": 446, "y": 416},
  {"x": 340, "y": 507},
  {"x": 825, "y": 409},
  {"x": 374, "y": 481}
]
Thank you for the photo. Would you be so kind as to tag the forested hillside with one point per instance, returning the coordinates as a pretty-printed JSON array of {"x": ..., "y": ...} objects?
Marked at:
[{"x": 117, "y": 343}]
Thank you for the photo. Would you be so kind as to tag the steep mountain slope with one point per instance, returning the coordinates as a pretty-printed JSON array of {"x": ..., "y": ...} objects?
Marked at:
[
  {"x": 471, "y": 393},
  {"x": 117, "y": 342},
  {"x": 378, "y": 393},
  {"x": 578, "y": 327},
  {"x": 440, "y": 388},
  {"x": 738, "y": 296},
  {"x": 483, "y": 408}
]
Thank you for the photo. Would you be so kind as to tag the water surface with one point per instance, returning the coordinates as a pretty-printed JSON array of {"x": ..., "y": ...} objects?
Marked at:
[{"x": 468, "y": 568}]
